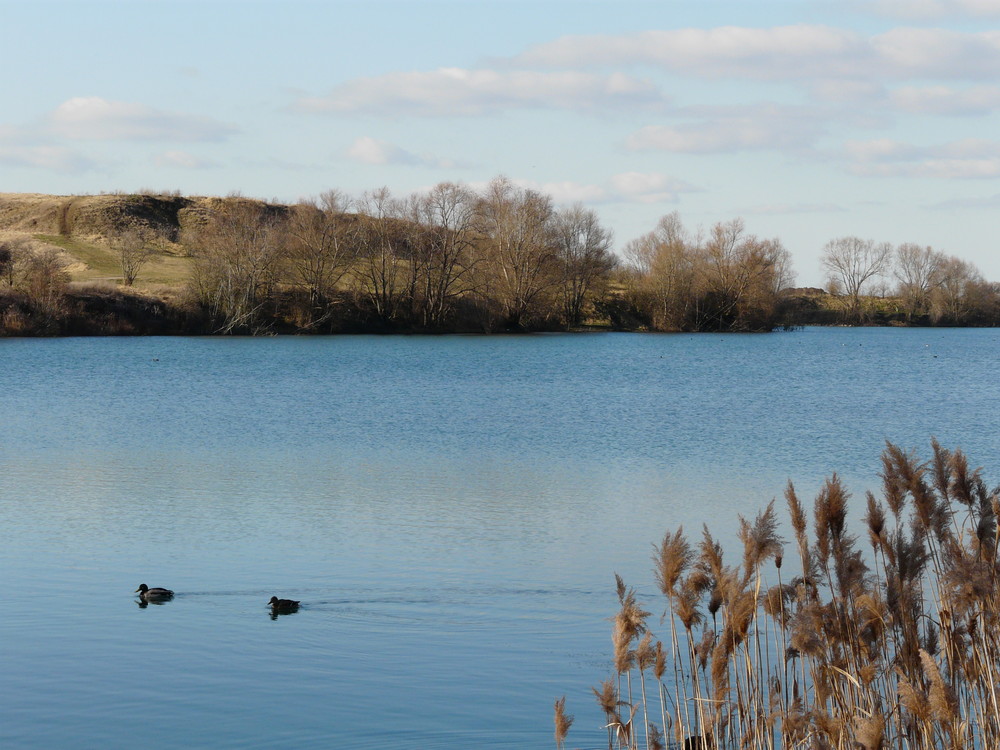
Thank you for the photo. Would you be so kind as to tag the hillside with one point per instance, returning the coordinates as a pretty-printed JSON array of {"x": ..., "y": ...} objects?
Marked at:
[{"x": 79, "y": 227}]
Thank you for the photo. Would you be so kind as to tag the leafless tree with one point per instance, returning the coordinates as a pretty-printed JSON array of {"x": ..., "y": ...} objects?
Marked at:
[
  {"x": 11, "y": 253},
  {"x": 663, "y": 263},
  {"x": 321, "y": 249},
  {"x": 742, "y": 278},
  {"x": 850, "y": 263},
  {"x": 515, "y": 225},
  {"x": 916, "y": 269},
  {"x": 956, "y": 286},
  {"x": 237, "y": 262},
  {"x": 42, "y": 274},
  {"x": 445, "y": 252},
  {"x": 584, "y": 255},
  {"x": 133, "y": 247},
  {"x": 381, "y": 270}
]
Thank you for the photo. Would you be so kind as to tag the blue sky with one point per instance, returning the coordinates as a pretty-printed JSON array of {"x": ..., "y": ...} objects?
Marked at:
[{"x": 810, "y": 120}]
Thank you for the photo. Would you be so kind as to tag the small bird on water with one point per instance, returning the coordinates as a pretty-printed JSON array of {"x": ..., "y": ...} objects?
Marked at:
[
  {"x": 283, "y": 605},
  {"x": 153, "y": 595}
]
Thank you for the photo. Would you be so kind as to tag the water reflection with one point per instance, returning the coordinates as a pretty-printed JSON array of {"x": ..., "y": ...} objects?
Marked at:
[
  {"x": 143, "y": 603},
  {"x": 438, "y": 502}
]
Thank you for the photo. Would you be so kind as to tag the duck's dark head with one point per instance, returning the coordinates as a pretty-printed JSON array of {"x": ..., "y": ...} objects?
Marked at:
[
  {"x": 274, "y": 600},
  {"x": 143, "y": 588}
]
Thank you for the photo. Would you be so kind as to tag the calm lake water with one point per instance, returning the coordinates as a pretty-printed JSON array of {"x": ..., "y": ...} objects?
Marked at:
[{"x": 450, "y": 510}]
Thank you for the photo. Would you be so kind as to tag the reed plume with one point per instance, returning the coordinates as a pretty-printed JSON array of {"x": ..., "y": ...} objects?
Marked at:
[
  {"x": 892, "y": 647},
  {"x": 562, "y": 721}
]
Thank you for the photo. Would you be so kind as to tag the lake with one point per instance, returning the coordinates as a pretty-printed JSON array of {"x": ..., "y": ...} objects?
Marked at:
[{"x": 451, "y": 512}]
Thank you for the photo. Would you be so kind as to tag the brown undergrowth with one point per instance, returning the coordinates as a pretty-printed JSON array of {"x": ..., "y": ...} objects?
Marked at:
[{"x": 891, "y": 640}]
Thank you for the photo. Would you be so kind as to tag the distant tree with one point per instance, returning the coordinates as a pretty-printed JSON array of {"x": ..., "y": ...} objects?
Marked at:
[
  {"x": 444, "y": 253},
  {"x": 958, "y": 287},
  {"x": 382, "y": 268},
  {"x": 321, "y": 249},
  {"x": 583, "y": 249},
  {"x": 43, "y": 275},
  {"x": 519, "y": 251},
  {"x": 237, "y": 262},
  {"x": 916, "y": 270},
  {"x": 11, "y": 251},
  {"x": 727, "y": 281},
  {"x": 663, "y": 270},
  {"x": 133, "y": 247},
  {"x": 851, "y": 263},
  {"x": 742, "y": 278}
]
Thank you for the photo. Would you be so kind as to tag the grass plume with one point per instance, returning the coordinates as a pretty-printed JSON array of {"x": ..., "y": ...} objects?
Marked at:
[{"x": 893, "y": 646}]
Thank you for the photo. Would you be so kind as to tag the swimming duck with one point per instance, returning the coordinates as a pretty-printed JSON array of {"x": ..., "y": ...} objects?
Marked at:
[
  {"x": 153, "y": 595},
  {"x": 283, "y": 605}
]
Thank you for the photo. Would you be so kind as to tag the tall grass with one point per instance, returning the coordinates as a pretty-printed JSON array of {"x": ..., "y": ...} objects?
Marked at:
[{"x": 891, "y": 640}]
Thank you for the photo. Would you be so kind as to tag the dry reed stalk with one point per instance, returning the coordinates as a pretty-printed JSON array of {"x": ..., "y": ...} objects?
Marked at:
[
  {"x": 562, "y": 721},
  {"x": 896, "y": 651}
]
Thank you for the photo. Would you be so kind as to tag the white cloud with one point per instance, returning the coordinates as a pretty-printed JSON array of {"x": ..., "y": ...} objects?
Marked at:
[
  {"x": 94, "y": 118},
  {"x": 776, "y": 209},
  {"x": 52, "y": 158},
  {"x": 784, "y": 53},
  {"x": 649, "y": 187},
  {"x": 728, "y": 129},
  {"x": 990, "y": 202},
  {"x": 457, "y": 91},
  {"x": 183, "y": 160},
  {"x": 927, "y": 9},
  {"x": 944, "y": 100},
  {"x": 970, "y": 158},
  {"x": 368, "y": 150},
  {"x": 778, "y": 52},
  {"x": 938, "y": 53}
]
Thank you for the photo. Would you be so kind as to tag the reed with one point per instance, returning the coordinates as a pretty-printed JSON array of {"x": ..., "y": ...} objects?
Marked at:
[{"x": 892, "y": 645}]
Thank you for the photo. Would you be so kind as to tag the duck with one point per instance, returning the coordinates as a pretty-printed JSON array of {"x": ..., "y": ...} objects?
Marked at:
[
  {"x": 153, "y": 595},
  {"x": 283, "y": 605}
]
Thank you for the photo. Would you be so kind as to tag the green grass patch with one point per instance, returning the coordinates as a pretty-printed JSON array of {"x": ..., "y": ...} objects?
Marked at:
[{"x": 102, "y": 263}]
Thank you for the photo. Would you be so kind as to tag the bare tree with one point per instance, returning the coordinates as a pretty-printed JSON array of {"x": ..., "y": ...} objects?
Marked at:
[
  {"x": 381, "y": 269},
  {"x": 742, "y": 278},
  {"x": 663, "y": 263},
  {"x": 957, "y": 284},
  {"x": 515, "y": 224},
  {"x": 321, "y": 249},
  {"x": 42, "y": 275},
  {"x": 916, "y": 269},
  {"x": 133, "y": 248},
  {"x": 11, "y": 254},
  {"x": 237, "y": 261},
  {"x": 730, "y": 280},
  {"x": 851, "y": 262},
  {"x": 445, "y": 252},
  {"x": 584, "y": 255}
]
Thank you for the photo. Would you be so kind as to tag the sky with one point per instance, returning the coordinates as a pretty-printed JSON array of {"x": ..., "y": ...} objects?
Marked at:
[{"x": 809, "y": 120}]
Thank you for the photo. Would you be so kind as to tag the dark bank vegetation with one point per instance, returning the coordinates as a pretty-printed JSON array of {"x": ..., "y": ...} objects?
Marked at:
[
  {"x": 886, "y": 640},
  {"x": 451, "y": 259}
]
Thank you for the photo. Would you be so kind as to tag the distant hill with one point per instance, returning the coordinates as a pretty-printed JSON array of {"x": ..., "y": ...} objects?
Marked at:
[{"x": 80, "y": 226}]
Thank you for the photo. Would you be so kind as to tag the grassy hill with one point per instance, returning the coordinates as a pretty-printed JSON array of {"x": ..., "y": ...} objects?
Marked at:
[{"x": 80, "y": 228}]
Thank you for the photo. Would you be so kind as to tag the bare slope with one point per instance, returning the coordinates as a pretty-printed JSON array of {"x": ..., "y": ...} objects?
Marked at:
[{"x": 80, "y": 227}]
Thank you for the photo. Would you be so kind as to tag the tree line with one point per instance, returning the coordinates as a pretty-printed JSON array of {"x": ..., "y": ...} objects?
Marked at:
[
  {"x": 500, "y": 258},
  {"x": 503, "y": 258},
  {"x": 452, "y": 258},
  {"x": 925, "y": 286}
]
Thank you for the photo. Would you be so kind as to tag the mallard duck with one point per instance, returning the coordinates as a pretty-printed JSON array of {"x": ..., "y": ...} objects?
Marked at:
[
  {"x": 283, "y": 605},
  {"x": 153, "y": 595}
]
